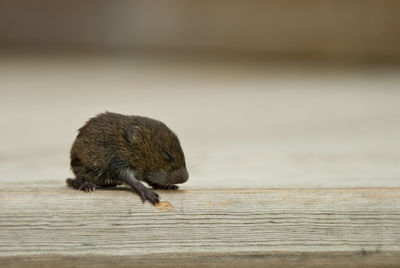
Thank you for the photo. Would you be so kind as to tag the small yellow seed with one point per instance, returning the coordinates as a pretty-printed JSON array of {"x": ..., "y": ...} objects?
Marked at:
[{"x": 164, "y": 205}]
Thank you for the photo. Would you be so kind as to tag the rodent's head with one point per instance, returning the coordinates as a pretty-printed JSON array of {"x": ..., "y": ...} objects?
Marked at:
[{"x": 156, "y": 153}]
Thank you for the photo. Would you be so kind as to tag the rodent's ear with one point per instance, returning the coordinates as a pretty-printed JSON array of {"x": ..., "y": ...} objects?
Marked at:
[{"x": 131, "y": 133}]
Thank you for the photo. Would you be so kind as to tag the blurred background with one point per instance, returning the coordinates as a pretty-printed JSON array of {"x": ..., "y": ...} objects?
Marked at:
[{"x": 261, "y": 93}]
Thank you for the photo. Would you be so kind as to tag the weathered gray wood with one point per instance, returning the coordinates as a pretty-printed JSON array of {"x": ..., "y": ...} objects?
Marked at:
[
  {"x": 241, "y": 123},
  {"x": 60, "y": 225},
  {"x": 253, "y": 259}
]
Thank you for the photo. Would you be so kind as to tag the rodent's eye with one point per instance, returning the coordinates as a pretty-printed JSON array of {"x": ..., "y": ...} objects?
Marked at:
[{"x": 168, "y": 156}]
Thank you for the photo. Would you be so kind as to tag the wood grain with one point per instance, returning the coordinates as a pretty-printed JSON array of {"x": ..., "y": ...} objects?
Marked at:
[
  {"x": 298, "y": 126},
  {"x": 44, "y": 226}
]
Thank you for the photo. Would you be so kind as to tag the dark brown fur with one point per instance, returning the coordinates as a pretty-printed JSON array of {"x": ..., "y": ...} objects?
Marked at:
[{"x": 113, "y": 149}]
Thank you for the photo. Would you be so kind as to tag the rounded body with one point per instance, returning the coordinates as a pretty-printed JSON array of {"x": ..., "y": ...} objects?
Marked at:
[{"x": 110, "y": 144}]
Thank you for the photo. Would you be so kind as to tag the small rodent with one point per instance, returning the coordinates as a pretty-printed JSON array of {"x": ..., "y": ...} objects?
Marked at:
[{"x": 113, "y": 149}]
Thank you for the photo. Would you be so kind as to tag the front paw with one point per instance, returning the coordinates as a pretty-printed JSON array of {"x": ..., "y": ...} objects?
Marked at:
[
  {"x": 165, "y": 187},
  {"x": 87, "y": 186},
  {"x": 171, "y": 187},
  {"x": 148, "y": 194}
]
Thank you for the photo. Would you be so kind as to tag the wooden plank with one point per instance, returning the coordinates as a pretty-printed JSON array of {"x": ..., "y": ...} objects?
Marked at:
[
  {"x": 43, "y": 226},
  {"x": 263, "y": 259},
  {"x": 298, "y": 125}
]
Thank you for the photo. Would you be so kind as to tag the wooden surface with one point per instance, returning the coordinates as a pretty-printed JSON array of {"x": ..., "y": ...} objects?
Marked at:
[
  {"x": 278, "y": 226},
  {"x": 280, "y": 160},
  {"x": 242, "y": 124}
]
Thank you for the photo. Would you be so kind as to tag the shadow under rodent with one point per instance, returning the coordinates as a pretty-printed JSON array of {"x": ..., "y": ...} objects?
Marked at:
[{"x": 113, "y": 149}]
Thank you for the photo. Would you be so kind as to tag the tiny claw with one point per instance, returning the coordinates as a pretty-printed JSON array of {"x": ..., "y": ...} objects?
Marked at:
[
  {"x": 154, "y": 198},
  {"x": 87, "y": 187},
  {"x": 151, "y": 196}
]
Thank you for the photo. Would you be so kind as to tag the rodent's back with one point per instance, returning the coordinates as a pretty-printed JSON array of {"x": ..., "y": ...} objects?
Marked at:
[{"x": 100, "y": 138}]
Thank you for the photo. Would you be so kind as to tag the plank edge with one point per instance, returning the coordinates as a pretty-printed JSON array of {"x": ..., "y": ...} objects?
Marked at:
[{"x": 256, "y": 259}]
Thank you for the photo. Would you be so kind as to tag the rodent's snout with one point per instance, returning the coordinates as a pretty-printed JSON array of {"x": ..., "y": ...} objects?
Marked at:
[{"x": 180, "y": 175}]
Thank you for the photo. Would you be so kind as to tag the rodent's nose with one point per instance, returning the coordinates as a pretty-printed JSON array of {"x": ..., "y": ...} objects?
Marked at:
[{"x": 181, "y": 176}]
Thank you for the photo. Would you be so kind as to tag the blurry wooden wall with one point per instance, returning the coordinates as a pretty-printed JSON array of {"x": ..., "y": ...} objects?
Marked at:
[{"x": 367, "y": 28}]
